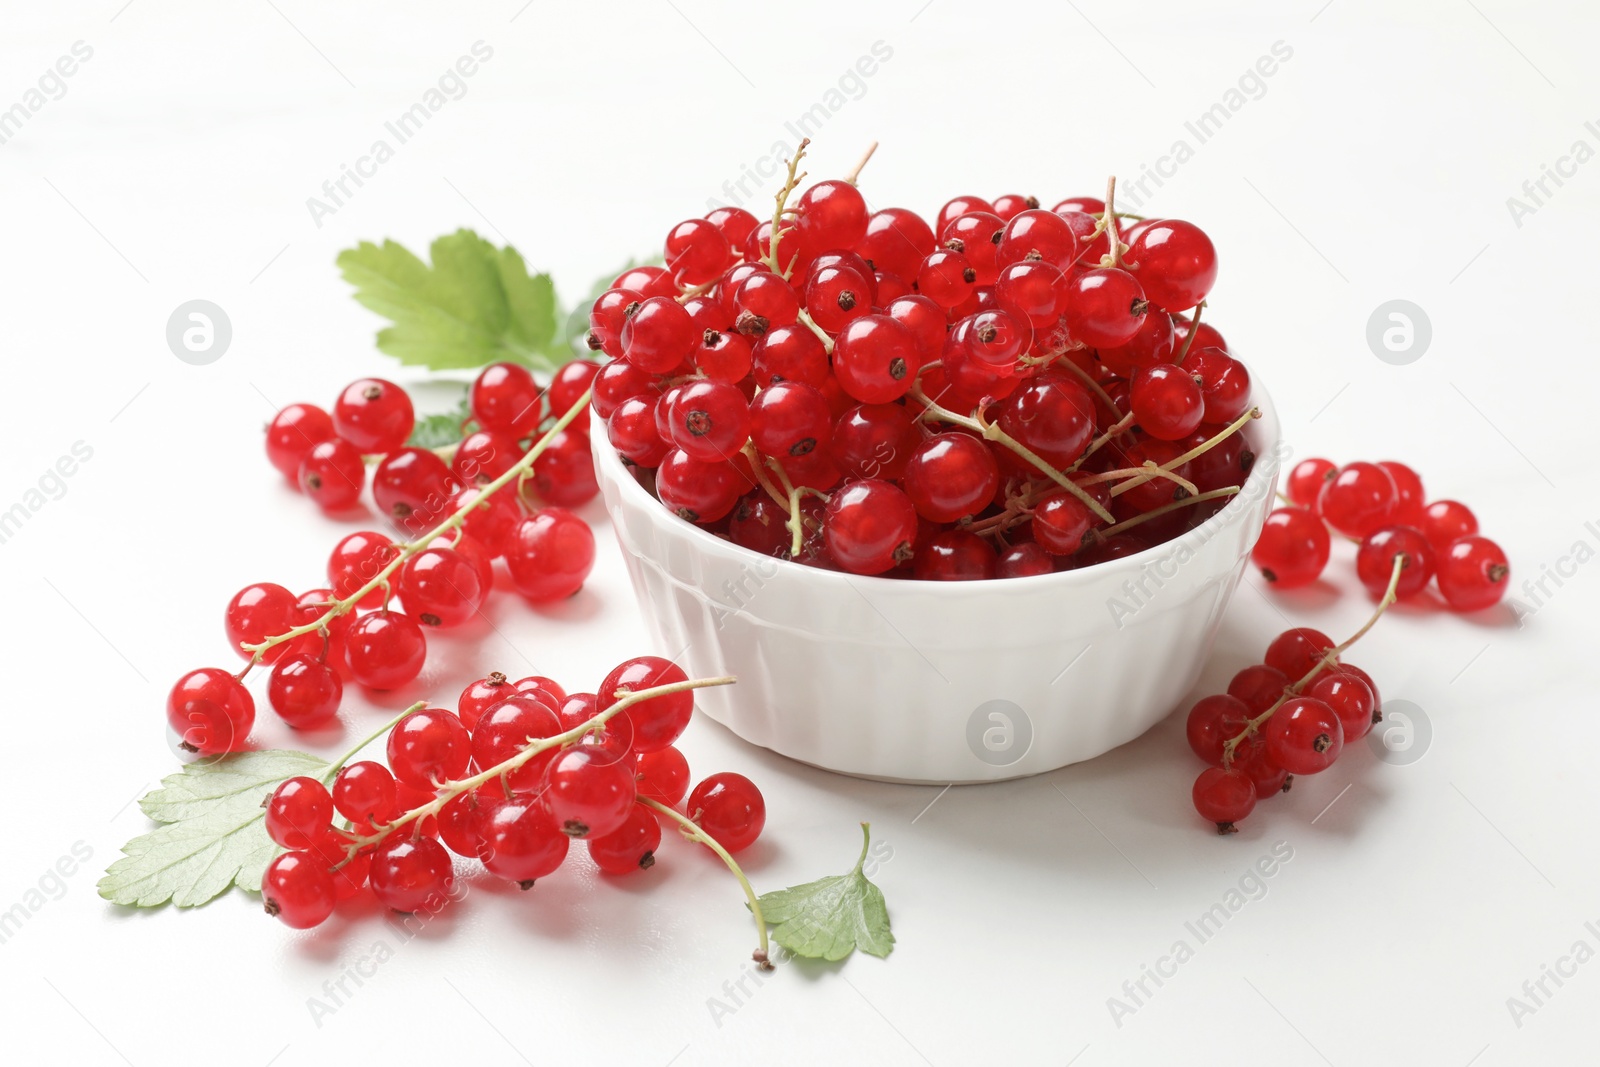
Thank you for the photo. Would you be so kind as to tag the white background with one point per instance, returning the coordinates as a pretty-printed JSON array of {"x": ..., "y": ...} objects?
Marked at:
[{"x": 1376, "y": 165}]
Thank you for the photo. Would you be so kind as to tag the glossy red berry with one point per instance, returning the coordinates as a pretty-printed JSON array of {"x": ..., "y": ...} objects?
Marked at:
[
  {"x": 1473, "y": 574},
  {"x": 1038, "y": 234},
  {"x": 385, "y": 650},
  {"x": 1303, "y": 736},
  {"x": 411, "y": 874},
  {"x": 954, "y": 556},
  {"x": 298, "y": 890},
  {"x": 833, "y": 214},
  {"x": 1032, "y": 290},
  {"x": 1305, "y": 482},
  {"x": 505, "y": 729},
  {"x": 875, "y": 359},
  {"x": 957, "y": 206},
  {"x": 1293, "y": 548},
  {"x": 522, "y": 842},
  {"x": 729, "y": 808},
  {"x": 1104, "y": 307},
  {"x": 1212, "y": 723},
  {"x": 357, "y": 559},
  {"x": 1358, "y": 499},
  {"x": 1155, "y": 342},
  {"x": 304, "y": 691},
  {"x": 588, "y": 792},
  {"x": 658, "y": 335},
  {"x": 563, "y": 474},
  {"x": 1176, "y": 263},
  {"x": 710, "y": 420},
  {"x": 696, "y": 252},
  {"x": 210, "y": 711},
  {"x": 735, "y": 223},
  {"x": 550, "y": 554},
  {"x": 569, "y": 383},
  {"x": 374, "y": 415},
  {"x": 874, "y": 441},
  {"x": 634, "y": 430},
  {"x": 789, "y": 354},
  {"x": 1224, "y": 797},
  {"x": 292, "y": 433},
  {"x": 1224, "y": 385},
  {"x": 663, "y": 775},
  {"x": 951, "y": 476},
  {"x": 364, "y": 792},
  {"x": 299, "y": 813},
  {"x": 1350, "y": 698},
  {"x": 697, "y": 490},
  {"x": 440, "y": 587},
  {"x": 1061, "y": 523},
  {"x": 1259, "y": 687},
  {"x": 256, "y": 613},
  {"x": 428, "y": 748},
  {"x": 631, "y": 847},
  {"x": 1410, "y": 498},
  {"x": 608, "y": 315},
  {"x": 659, "y": 721},
  {"x": 870, "y": 527},
  {"x": 1026, "y": 560},
  {"x": 1166, "y": 401},
  {"x": 1447, "y": 521},
  {"x": 484, "y": 455},
  {"x": 333, "y": 474},
  {"x": 505, "y": 398},
  {"x": 481, "y": 695},
  {"x": 896, "y": 240},
  {"x": 1296, "y": 651},
  {"x": 723, "y": 356},
  {"x": 619, "y": 380},
  {"x": 790, "y": 419},
  {"x": 413, "y": 488},
  {"x": 1376, "y": 557}
]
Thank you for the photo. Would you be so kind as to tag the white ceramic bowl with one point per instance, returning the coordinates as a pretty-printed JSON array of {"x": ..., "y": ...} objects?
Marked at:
[{"x": 938, "y": 682}]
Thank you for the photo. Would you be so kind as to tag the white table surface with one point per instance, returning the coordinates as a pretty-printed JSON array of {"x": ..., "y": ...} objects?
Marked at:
[{"x": 1375, "y": 165}]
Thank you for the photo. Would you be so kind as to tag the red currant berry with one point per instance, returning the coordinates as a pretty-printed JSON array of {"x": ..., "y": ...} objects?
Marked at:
[
  {"x": 411, "y": 874},
  {"x": 481, "y": 695},
  {"x": 1304, "y": 736},
  {"x": 875, "y": 359},
  {"x": 647, "y": 281},
  {"x": 1026, "y": 560},
  {"x": 634, "y": 432},
  {"x": 210, "y": 711},
  {"x": 1376, "y": 557},
  {"x": 545, "y": 690},
  {"x": 364, "y": 792},
  {"x": 413, "y": 487},
  {"x": 1011, "y": 205},
  {"x": 659, "y": 721},
  {"x": 696, "y": 252},
  {"x": 874, "y": 441},
  {"x": 506, "y": 729},
  {"x": 765, "y": 301},
  {"x": 483, "y": 456},
  {"x": 1224, "y": 384},
  {"x": 256, "y": 613},
  {"x": 729, "y": 808},
  {"x": 332, "y": 474},
  {"x": 790, "y": 419},
  {"x": 958, "y": 206},
  {"x": 465, "y": 817},
  {"x": 567, "y": 385},
  {"x": 1409, "y": 495},
  {"x": 1061, "y": 524},
  {"x": 926, "y": 321},
  {"x": 1167, "y": 402},
  {"x": 550, "y": 555},
  {"x": 789, "y": 354},
  {"x": 1052, "y": 416},
  {"x": 954, "y": 556},
  {"x": 710, "y": 420},
  {"x": 1473, "y": 574},
  {"x": 1212, "y": 723},
  {"x": 385, "y": 650},
  {"x": 617, "y": 382},
  {"x": 1293, "y": 548},
  {"x": 696, "y": 490},
  {"x": 1350, "y": 698},
  {"x": 491, "y": 521},
  {"x": 1104, "y": 307},
  {"x": 297, "y": 889},
  {"x": 723, "y": 356},
  {"x": 1154, "y": 343},
  {"x": 1447, "y": 521},
  {"x": 1032, "y": 290},
  {"x": 835, "y": 295},
  {"x": 440, "y": 587},
  {"x": 658, "y": 335},
  {"x": 505, "y": 398},
  {"x": 735, "y": 223},
  {"x": 951, "y": 476},
  {"x": 588, "y": 792},
  {"x": 356, "y": 560},
  {"x": 631, "y": 847},
  {"x": 1259, "y": 687},
  {"x": 759, "y": 524},
  {"x": 663, "y": 775},
  {"x": 1305, "y": 482},
  {"x": 1358, "y": 499},
  {"x": 833, "y": 214},
  {"x": 563, "y": 473},
  {"x": 946, "y": 278},
  {"x": 374, "y": 415},
  {"x": 304, "y": 691},
  {"x": 299, "y": 813},
  {"x": 1296, "y": 651},
  {"x": 521, "y": 842},
  {"x": 1224, "y": 797},
  {"x": 292, "y": 433},
  {"x": 608, "y": 316},
  {"x": 1269, "y": 778},
  {"x": 1038, "y": 234},
  {"x": 1177, "y": 264},
  {"x": 896, "y": 240},
  {"x": 870, "y": 527},
  {"x": 428, "y": 748}
]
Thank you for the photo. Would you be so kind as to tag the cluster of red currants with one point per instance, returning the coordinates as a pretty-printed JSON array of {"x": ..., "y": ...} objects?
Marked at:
[
  {"x": 509, "y": 779},
  {"x": 1009, "y": 391},
  {"x": 1382, "y": 507},
  {"x": 1292, "y": 714},
  {"x": 369, "y": 623}
]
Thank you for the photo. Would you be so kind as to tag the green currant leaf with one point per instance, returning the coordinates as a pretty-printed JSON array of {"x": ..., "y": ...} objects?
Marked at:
[
  {"x": 212, "y": 833},
  {"x": 831, "y": 917},
  {"x": 436, "y": 431},
  {"x": 475, "y": 305}
]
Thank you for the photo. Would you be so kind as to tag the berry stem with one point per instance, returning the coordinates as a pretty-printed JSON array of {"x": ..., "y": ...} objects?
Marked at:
[
  {"x": 791, "y": 183},
  {"x": 855, "y": 171},
  {"x": 338, "y": 765},
  {"x": 1156, "y": 513},
  {"x": 822, "y": 335},
  {"x": 1109, "y": 222},
  {"x": 1194, "y": 321},
  {"x": 1329, "y": 658},
  {"x": 450, "y": 790},
  {"x": 756, "y": 467},
  {"x": 1121, "y": 426},
  {"x": 1166, "y": 468},
  {"x": 692, "y": 831},
  {"x": 411, "y": 548},
  {"x": 992, "y": 432},
  {"x": 1088, "y": 380},
  {"x": 1149, "y": 471}
]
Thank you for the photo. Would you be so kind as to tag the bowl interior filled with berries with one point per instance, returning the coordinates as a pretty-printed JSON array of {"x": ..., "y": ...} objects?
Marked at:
[{"x": 960, "y": 497}]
